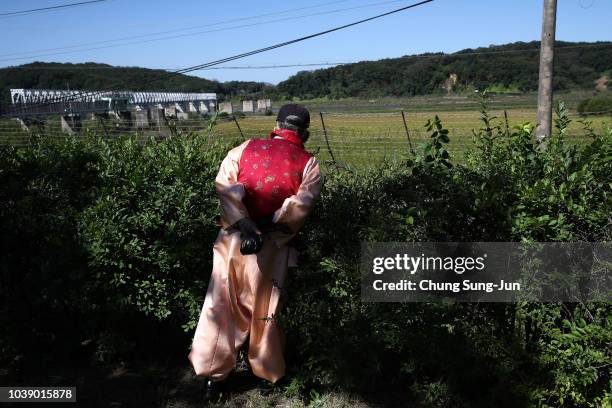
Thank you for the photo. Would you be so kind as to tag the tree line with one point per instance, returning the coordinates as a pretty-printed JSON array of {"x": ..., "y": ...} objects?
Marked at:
[{"x": 504, "y": 68}]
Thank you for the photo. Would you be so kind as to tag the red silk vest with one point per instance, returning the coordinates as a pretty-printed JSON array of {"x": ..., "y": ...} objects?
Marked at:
[{"x": 271, "y": 171}]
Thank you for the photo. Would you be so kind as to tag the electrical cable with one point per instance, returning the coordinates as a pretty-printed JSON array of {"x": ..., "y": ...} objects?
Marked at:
[
  {"x": 254, "y": 52},
  {"x": 60, "y": 6},
  {"x": 173, "y": 30},
  {"x": 314, "y": 64},
  {"x": 186, "y": 34}
]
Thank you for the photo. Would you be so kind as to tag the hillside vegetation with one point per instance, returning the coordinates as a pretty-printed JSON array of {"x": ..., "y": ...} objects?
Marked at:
[
  {"x": 93, "y": 76},
  {"x": 500, "y": 68}
]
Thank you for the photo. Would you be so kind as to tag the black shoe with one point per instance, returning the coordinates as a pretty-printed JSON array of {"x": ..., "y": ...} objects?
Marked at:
[
  {"x": 212, "y": 390},
  {"x": 266, "y": 387}
]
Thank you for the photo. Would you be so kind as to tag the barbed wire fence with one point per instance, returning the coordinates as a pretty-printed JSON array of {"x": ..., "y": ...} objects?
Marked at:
[{"x": 350, "y": 138}]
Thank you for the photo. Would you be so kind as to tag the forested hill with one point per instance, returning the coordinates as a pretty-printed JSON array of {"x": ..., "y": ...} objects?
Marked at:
[
  {"x": 502, "y": 68},
  {"x": 92, "y": 76}
]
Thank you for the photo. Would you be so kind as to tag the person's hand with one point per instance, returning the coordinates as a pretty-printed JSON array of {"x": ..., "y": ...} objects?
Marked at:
[
  {"x": 266, "y": 224},
  {"x": 251, "y": 241},
  {"x": 247, "y": 227}
]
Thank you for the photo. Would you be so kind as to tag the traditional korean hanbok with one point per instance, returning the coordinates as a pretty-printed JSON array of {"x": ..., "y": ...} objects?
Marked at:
[{"x": 261, "y": 177}]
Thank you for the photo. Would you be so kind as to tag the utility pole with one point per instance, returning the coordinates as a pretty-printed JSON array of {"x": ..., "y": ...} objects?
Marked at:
[{"x": 547, "y": 54}]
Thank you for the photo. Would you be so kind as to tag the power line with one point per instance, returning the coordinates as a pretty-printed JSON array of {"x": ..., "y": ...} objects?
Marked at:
[
  {"x": 279, "y": 65},
  {"x": 176, "y": 30},
  {"x": 317, "y": 64},
  {"x": 24, "y": 12},
  {"x": 308, "y": 37},
  {"x": 326, "y": 63},
  {"x": 261, "y": 50},
  {"x": 121, "y": 27},
  {"x": 442, "y": 55},
  {"x": 181, "y": 35}
]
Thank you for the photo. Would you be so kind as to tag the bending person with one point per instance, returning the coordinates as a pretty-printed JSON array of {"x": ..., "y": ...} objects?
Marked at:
[{"x": 266, "y": 189}]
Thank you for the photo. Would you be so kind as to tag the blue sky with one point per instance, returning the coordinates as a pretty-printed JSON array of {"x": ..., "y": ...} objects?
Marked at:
[{"x": 443, "y": 25}]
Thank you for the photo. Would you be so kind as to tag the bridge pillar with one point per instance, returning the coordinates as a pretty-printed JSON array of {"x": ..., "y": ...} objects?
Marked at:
[
  {"x": 140, "y": 119},
  {"x": 157, "y": 117},
  {"x": 191, "y": 107},
  {"x": 247, "y": 106},
  {"x": 71, "y": 123},
  {"x": 226, "y": 107},
  {"x": 170, "y": 111},
  {"x": 125, "y": 121},
  {"x": 203, "y": 107},
  {"x": 263, "y": 105},
  {"x": 180, "y": 107},
  {"x": 114, "y": 114},
  {"x": 24, "y": 126}
]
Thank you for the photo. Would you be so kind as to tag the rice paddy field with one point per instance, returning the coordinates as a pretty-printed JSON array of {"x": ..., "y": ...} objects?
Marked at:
[
  {"x": 363, "y": 133},
  {"x": 352, "y": 132}
]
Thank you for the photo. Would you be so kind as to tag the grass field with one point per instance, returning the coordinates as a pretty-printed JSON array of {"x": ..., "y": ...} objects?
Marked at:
[
  {"x": 368, "y": 138},
  {"x": 360, "y": 132}
]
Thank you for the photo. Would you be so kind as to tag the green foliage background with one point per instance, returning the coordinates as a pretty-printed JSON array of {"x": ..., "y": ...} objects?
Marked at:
[
  {"x": 596, "y": 105},
  {"x": 95, "y": 76},
  {"x": 493, "y": 67},
  {"x": 108, "y": 243},
  {"x": 497, "y": 67}
]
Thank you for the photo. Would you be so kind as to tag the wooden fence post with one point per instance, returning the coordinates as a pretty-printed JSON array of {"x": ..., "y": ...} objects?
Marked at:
[
  {"x": 326, "y": 138},
  {"x": 237, "y": 125},
  {"x": 407, "y": 133}
]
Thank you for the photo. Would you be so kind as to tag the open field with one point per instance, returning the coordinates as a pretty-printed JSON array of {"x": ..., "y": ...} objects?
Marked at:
[
  {"x": 363, "y": 132},
  {"x": 360, "y": 132},
  {"x": 440, "y": 103},
  {"x": 368, "y": 138}
]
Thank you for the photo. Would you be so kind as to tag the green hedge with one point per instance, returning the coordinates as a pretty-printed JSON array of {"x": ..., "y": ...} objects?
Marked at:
[{"x": 96, "y": 232}]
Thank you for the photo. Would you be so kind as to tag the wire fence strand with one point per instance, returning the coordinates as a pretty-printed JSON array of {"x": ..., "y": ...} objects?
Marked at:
[{"x": 357, "y": 139}]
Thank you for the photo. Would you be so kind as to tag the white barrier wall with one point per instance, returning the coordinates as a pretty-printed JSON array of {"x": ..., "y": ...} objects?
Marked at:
[
  {"x": 264, "y": 104},
  {"x": 226, "y": 107},
  {"x": 247, "y": 106}
]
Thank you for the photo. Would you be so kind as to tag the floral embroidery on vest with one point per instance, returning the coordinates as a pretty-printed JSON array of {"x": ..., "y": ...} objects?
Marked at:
[{"x": 272, "y": 176}]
